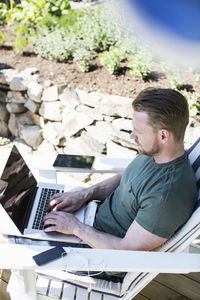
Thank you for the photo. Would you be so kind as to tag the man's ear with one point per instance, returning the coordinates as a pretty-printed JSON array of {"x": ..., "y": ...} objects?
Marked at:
[{"x": 164, "y": 135}]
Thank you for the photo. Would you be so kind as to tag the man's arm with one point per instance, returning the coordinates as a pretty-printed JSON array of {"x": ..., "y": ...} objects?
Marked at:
[
  {"x": 72, "y": 201},
  {"x": 136, "y": 238}
]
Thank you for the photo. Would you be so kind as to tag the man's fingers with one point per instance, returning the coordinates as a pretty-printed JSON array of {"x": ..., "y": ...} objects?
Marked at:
[
  {"x": 51, "y": 228},
  {"x": 53, "y": 202}
]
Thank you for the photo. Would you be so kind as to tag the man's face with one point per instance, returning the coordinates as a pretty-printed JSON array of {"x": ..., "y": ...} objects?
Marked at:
[{"x": 144, "y": 134}]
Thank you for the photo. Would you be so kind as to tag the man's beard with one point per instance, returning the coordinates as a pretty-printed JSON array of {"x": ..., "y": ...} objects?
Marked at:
[{"x": 150, "y": 152}]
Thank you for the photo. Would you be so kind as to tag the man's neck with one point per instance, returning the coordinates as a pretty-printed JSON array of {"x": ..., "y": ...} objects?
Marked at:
[{"x": 169, "y": 154}]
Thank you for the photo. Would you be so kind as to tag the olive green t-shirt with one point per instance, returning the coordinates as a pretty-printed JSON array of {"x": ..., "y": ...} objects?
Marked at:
[{"x": 160, "y": 197}]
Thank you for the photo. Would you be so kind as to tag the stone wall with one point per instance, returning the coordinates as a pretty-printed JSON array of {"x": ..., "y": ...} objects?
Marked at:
[{"x": 51, "y": 118}]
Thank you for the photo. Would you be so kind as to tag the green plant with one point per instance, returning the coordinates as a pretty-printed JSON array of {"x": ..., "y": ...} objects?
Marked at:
[
  {"x": 175, "y": 79},
  {"x": 3, "y": 11},
  {"x": 97, "y": 29},
  {"x": 77, "y": 34},
  {"x": 173, "y": 74},
  {"x": 194, "y": 103},
  {"x": 54, "y": 45},
  {"x": 3, "y": 38},
  {"x": 29, "y": 15},
  {"x": 22, "y": 36},
  {"x": 66, "y": 21},
  {"x": 57, "y": 7},
  {"x": 140, "y": 63},
  {"x": 33, "y": 11},
  {"x": 82, "y": 57},
  {"x": 112, "y": 59}
]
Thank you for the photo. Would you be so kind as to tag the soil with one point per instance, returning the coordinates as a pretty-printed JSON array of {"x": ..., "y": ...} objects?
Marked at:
[{"x": 97, "y": 79}]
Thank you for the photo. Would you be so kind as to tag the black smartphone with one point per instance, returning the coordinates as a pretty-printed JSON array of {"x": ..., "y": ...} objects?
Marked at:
[
  {"x": 74, "y": 161},
  {"x": 49, "y": 255}
]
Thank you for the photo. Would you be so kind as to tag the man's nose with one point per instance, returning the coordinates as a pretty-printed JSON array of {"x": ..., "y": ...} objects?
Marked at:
[{"x": 133, "y": 136}]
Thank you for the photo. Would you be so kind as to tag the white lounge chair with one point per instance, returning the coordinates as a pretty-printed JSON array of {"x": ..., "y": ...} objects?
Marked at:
[{"x": 142, "y": 266}]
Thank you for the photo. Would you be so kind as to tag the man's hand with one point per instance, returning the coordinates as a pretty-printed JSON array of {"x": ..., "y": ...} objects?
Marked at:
[
  {"x": 69, "y": 201},
  {"x": 60, "y": 221}
]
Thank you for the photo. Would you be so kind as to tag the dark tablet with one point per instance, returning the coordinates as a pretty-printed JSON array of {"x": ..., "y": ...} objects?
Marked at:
[{"x": 74, "y": 161}]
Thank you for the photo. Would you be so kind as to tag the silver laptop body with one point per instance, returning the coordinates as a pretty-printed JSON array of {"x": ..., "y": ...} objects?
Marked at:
[{"x": 24, "y": 202}]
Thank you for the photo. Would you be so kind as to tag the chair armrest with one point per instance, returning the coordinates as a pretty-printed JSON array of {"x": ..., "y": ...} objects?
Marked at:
[{"x": 20, "y": 257}]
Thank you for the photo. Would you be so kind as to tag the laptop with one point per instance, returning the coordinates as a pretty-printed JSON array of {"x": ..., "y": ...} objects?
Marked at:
[{"x": 24, "y": 202}]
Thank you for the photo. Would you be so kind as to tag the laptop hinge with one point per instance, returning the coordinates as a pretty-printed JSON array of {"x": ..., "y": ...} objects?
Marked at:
[{"x": 31, "y": 197}]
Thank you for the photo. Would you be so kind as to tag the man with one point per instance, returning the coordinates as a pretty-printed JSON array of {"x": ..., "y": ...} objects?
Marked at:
[{"x": 155, "y": 196}]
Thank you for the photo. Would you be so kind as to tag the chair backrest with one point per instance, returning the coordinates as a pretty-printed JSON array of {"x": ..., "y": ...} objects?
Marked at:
[
  {"x": 194, "y": 157},
  {"x": 134, "y": 282}
]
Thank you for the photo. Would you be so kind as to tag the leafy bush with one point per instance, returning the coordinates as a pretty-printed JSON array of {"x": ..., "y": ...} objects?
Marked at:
[
  {"x": 175, "y": 79},
  {"x": 112, "y": 59},
  {"x": 172, "y": 74},
  {"x": 83, "y": 57},
  {"x": 29, "y": 14},
  {"x": 97, "y": 29},
  {"x": 54, "y": 45},
  {"x": 33, "y": 11},
  {"x": 140, "y": 63},
  {"x": 67, "y": 20},
  {"x": 87, "y": 31}
]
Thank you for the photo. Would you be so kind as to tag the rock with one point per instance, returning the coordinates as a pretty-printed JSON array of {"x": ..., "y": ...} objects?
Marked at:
[
  {"x": 16, "y": 97},
  {"x": 101, "y": 131},
  {"x": 20, "y": 81},
  {"x": 123, "y": 138},
  {"x": 31, "y": 134},
  {"x": 35, "y": 91},
  {"x": 32, "y": 106},
  {"x": 51, "y": 110},
  {"x": 4, "y": 141},
  {"x": 3, "y": 96},
  {"x": 116, "y": 106},
  {"x": 53, "y": 133},
  {"x": 6, "y": 76},
  {"x": 46, "y": 147},
  {"x": 115, "y": 150},
  {"x": 90, "y": 99},
  {"x": 50, "y": 94},
  {"x": 47, "y": 83},
  {"x": 16, "y": 108},
  {"x": 16, "y": 120},
  {"x": 88, "y": 111},
  {"x": 74, "y": 122},
  {"x": 4, "y": 131},
  {"x": 23, "y": 148},
  {"x": 84, "y": 145},
  {"x": 123, "y": 124},
  {"x": 4, "y": 115},
  {"x": 108, "y": 118},
  {"x": 69, "y": 98},
  {"x": 31, "y": 72},
  {"x": 38, "y": 120}
]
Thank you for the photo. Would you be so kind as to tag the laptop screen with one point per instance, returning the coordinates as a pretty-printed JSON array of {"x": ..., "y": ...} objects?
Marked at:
[{"x": 17, "y": 186}]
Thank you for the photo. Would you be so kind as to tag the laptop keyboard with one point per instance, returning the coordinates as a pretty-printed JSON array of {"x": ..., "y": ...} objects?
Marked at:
[{"x": 42, "y": 208}]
